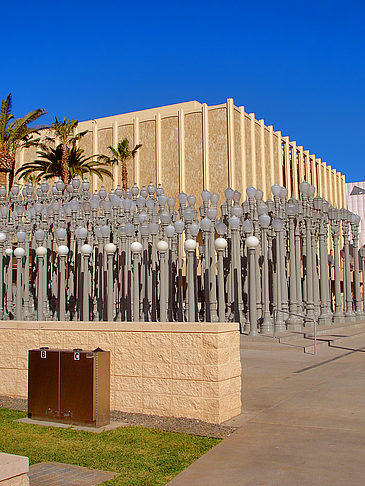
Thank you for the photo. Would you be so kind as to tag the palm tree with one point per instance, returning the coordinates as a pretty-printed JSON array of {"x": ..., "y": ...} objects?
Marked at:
[
  {"x": 64, "y": 132},
  {"x": 121, "y": 154},
  {"x": 15, "y": 134},
  {"x": 50, "y": 165}
]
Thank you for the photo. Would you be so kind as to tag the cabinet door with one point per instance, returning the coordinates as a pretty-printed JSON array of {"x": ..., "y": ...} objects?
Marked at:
[
  {"x": 76, "y": 387},
  {"x": 43, "y": 377}
]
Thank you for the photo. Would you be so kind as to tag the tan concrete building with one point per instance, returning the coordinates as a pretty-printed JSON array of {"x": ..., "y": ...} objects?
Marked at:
[
  {"x": 355, "y": 192},
  {"x": 192, "y": 146}
]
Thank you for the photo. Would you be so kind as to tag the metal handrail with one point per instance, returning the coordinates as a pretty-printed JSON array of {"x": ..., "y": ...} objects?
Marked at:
[{"x": 304, "y": 317}]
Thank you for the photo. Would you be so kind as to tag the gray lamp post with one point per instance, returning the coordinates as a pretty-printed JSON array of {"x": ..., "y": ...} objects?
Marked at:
[
  {"x": 136, "y": 249},
  {"x": 298, "y": 259},
  {"x": 236, "y": 282},
  {"x": 110, "y": 249},
  {"x": 251, "y": 193},
  {"x": 267, "y": 322},
  {"x": 229, "y": 193},
  {"x": 146, "y": 281},
  {"x": 293, "y": 322},
  {"x": 210, "y": 276},
  {"x": 304, "y": 188},
  {"x": 220, "y": 246},
  {"x": 2, "y": 241},
  {"x": 252, "y": 243},
  {"x": 19, "y": 254},
  {"x": 247, "y": 228},
  {"x": 23, "y": 242},
  {"x": 334, "y": 217},
  {"x": 331, "y": 262},
  {"x": 41, "y": 252},
  {"x": 62, "y": 254},
  {"x": 190, "y": 247},
  {"x": 211, "y": 213},
  {"x": 9, "y": 282},
  {"x": 277, "y": 225},
  {"x": 276, "y": 191},
  {"x": 283, "y": 255},
  {"x": 325, "y": 317},
  {"x": 162, "y": 247},
  {"x": 86, "y": 251},
  {"x": 362, "y": 256},
  {"x": 316, "y": 223},
  {"x": 349, "y": 313},
  {"x": 205, "y": 197},
  {"x": 172, "y": 273},
  {"x": 179, "y": 228},
  {"x": 355, "y": 221}
]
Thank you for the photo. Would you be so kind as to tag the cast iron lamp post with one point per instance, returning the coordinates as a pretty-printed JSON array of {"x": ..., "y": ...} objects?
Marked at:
[
  {"x": 236, "y": 271},
  {"x": 334, "y": 217},
  {"x": 252, "y": 243},
  {"x": 190, "y": 247},
  {"x": 355, "y": 221},
  {"x": 41, "y": 252},
  {"x": 293, "y": 322},
  {"x": 321, "y": 206},
  {"x": 277, "y": 225},
  {"x": 304, "y": 188},
  {"x": 86, "y": 251},
  {"x": 267, "y": 322},
  {"x": 362, "y": 256},
  {"x": 19, "y": 254},
  {"x": 220, "y": 246},
  {"x": 162, "y": 247},
  {"x": 206, "y": 226},
  {"x": 136, "y": 249},
  {"x": 345, "y": 218}
]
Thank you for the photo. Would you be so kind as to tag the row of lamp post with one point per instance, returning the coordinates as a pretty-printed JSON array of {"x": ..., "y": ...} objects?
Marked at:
[{"x": 133, "y": 256}]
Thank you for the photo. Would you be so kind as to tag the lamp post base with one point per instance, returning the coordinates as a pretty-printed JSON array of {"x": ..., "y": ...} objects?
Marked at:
[
  {"x": 309, "y": 322},
  {"x": 350, "y": 316},
  {"x": 280, "y": 327},
  {"x": 267, "y": 326},
  {"x": 339, "y": 318},
  {"x": 325, "y": 319},
  {"x": 294, "y": 323}
]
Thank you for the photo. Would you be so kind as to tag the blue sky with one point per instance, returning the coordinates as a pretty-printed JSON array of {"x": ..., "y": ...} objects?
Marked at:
[{"x": 298, "y": 65}]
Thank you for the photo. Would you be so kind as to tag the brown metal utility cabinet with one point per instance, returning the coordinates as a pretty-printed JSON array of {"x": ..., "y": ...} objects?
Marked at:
[{"x": 69, "y": 386}]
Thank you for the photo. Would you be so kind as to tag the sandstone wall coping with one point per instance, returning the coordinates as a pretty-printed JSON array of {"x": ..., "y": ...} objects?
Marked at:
[
  {"x": 12, "y": 466},
  {"x": 190, "y": 327}
]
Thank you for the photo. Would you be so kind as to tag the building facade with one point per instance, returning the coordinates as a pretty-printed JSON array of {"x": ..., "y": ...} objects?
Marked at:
[
  {"x": 355, "y": 195},
  {"x": 192, "y": 146}
]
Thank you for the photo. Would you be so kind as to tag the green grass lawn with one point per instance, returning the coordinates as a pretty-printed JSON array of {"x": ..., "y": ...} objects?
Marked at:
[{"x": 141, "y": 456}]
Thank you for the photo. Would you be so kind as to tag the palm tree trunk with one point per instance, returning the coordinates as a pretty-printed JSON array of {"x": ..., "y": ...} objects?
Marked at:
[
  {"x": 7, "y": 166},
  {"x": 65, "y": 173},
  {"x": 124, "y": 175},
  {"x": 11, "y": 173}
]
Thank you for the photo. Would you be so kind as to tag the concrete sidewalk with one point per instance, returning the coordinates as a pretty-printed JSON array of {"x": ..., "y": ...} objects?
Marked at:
[{"x": 304, "y": 421}]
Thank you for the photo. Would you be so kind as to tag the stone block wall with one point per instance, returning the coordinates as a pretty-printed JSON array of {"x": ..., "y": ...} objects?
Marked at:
[{"x": 179, "y": 369}]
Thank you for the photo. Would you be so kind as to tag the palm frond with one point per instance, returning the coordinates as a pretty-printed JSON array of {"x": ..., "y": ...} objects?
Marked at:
[
  {"x": 49, "y": 163},
  {"x": 5, "y": 115},
  {"x": 134, "y": 151}
]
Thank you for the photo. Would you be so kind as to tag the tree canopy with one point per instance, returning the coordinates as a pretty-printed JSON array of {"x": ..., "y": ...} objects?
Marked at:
[
  {"x": 49, "y": 164},
  {"x": 121, "y": 154},
  {"x": 15, "y": 134}
]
